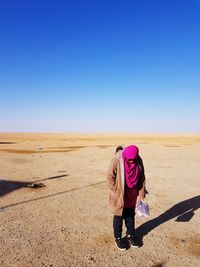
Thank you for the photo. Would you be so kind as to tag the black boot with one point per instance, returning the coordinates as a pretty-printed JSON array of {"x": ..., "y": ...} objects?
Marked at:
[
  {"x": 132, "y": 240},
  {"x": 121, "y": 245}
]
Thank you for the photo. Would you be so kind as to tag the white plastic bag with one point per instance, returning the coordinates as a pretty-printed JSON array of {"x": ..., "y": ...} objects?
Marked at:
[{"x": 142, "y": 209}]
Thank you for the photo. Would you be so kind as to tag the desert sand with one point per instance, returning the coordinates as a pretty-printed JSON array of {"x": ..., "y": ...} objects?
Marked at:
[{"x": 67, "y": 222}]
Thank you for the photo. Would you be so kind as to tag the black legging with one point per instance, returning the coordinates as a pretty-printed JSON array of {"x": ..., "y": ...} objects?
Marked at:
[{"x": 128, "y": 215}]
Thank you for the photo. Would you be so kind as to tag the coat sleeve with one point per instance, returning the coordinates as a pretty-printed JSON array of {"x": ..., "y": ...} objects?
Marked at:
[
  {"x": 142, "y": 191},
  {"x": 111, "y": 174}
]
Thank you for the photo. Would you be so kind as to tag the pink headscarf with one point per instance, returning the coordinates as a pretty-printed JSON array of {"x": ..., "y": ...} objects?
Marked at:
[{"x": 130, "y": 169}]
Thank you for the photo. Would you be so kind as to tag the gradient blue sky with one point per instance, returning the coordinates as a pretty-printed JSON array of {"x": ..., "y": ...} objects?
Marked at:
[{"x": 100, "y": 66}]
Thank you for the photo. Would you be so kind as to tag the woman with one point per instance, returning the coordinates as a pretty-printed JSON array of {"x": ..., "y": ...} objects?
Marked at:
[{"x": 126, "y": 180}]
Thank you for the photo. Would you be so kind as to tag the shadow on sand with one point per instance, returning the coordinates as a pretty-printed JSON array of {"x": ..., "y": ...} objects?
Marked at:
[
  {"x": 7, "y": 186},
  {"x": 53, "y": 195},
  {"x": 183, "y": 212}
]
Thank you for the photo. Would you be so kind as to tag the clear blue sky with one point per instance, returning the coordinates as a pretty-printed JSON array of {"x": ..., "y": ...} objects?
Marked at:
[{"x": 100, "y": 66}]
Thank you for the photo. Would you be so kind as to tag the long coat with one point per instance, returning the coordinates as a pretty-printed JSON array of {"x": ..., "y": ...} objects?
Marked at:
[{"x": 116, "y": 182}]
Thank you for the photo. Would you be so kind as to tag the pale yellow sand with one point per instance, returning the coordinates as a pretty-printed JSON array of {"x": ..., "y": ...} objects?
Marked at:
[{"x": 68, "y": 222}]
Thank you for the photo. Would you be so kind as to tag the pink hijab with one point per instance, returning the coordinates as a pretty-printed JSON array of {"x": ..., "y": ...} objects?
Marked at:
[{"x": 130, "y": 169}]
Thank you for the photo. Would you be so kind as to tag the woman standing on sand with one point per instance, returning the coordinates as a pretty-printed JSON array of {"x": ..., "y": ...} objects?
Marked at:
[{"x": 126, "y": 180}]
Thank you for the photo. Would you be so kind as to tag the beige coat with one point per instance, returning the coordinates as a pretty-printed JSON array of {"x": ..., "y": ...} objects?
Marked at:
[{"x": 115, "y": 179}]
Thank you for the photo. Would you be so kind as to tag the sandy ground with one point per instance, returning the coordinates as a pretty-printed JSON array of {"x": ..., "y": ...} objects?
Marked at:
[{"x": 68, "y": 222}]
